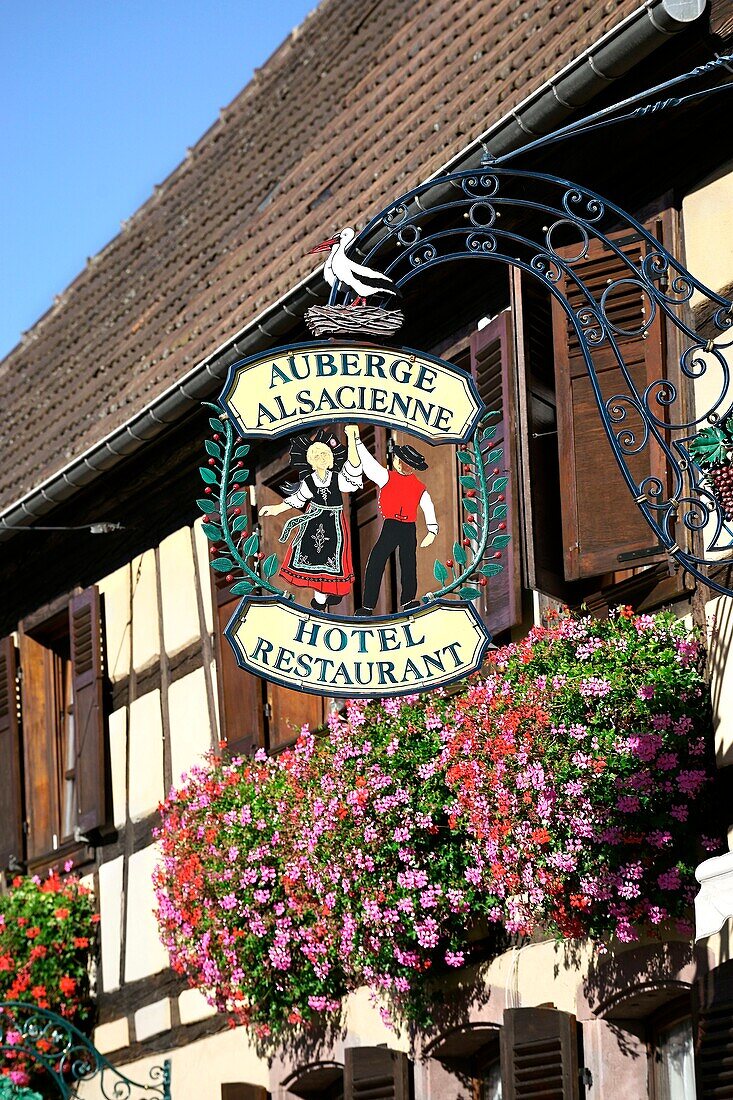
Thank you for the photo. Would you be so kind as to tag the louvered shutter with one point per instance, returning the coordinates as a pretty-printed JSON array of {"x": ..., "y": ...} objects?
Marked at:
[
  {"x": 11, "y": 798},
  {"x": 492, "y": 366},
  {"x": 237, "y": 1090},
  {"x": 600, "y": 520},
  {"x": 85, "y": 631},
  {"x": 366, "y": 523},
  {"x": 40, "y": 765},
  {"x": 713, "y": 1025},
  {"x": 539, "y": 1055},
  {"x": 287, "y": 709},
  {"x": 538, "y": 466},
  {"x": 241, "y": 701},
  {"x": 376, "y": 1073}
]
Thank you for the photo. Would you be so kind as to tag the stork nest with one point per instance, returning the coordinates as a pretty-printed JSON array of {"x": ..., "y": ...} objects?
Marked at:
[{"x": 353, "y": 320}]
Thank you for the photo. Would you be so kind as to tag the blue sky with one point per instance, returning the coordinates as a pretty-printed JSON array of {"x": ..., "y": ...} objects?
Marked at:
[{"x": 100, "y": 99}]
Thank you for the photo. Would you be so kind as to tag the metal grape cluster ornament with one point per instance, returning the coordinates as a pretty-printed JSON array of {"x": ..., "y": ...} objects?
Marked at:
[{"x": 312, "y": 399}]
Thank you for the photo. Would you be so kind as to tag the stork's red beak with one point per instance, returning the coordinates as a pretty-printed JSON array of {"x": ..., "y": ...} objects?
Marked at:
[{"x": 324, "y": 246}]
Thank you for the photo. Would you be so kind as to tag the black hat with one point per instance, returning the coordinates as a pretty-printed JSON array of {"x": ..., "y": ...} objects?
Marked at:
[{"x": 411, "y": 457}]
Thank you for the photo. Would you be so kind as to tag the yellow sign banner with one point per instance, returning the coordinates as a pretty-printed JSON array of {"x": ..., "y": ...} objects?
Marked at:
[
  {"x": 298, "y": 387},
  {"x": 351, "y": 658}
]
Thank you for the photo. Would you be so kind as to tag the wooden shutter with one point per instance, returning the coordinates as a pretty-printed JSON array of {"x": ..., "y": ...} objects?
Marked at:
[
  {"x": 539, "y": 1055},
  {"x": 85, "y": 632},
  {"x": 287, "y": 710},
  {"x": 11, "y": 796},
  {"x": 600, "y": 520},
  {"x": 38, "y": 694},
  {"x": 713, "y": 1028},
  {"x": 492, "y": 354},
  {"x": 241, "y": 701},
  {"x": 376, "y": 1073},
  {"x": 538, "y": 465},
  {"x": 240, "y": 1091},
  {"x": 366, "y": 524}
]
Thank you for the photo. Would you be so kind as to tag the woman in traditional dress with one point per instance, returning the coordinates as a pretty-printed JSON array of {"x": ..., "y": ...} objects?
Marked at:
[{"x": 319, "y": 556}]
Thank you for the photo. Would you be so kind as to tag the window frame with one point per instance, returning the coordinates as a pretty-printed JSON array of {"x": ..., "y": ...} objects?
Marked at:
[{"x": 45, "y": 628}]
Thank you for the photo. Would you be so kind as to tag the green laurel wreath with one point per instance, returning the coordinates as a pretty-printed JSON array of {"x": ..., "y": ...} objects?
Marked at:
[
  {"x": 226, "y": 527},
  {"x": 230, "y": 527}
]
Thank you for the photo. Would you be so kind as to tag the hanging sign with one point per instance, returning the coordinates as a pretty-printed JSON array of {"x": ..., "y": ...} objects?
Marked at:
[
  {"x": 289, "y": 627},
  {"x": 389, "y": 655},
  {"x": 294, "y": 388}
]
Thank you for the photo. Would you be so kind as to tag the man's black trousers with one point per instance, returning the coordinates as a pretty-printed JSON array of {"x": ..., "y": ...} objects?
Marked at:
[{"x": 395, "y": 535}]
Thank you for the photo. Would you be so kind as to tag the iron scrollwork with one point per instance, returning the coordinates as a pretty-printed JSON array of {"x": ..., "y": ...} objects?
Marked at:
[
  {"x": 67, "y": 1058},
  {"x": 546, "y": 226}
]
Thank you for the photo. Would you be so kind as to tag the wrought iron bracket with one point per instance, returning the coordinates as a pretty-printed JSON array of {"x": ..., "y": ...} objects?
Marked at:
[
  {"x": 545, "y": 226},
  {"x": 68, "y": 1057}
]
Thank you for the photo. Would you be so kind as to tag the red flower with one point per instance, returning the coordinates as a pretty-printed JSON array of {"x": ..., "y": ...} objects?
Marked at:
[
  {"x": 61, "y": 913},
  {"x": 32, "y": 932},
  {"x": 81, "y": 941},
  {"x": 67, "y": 985}
]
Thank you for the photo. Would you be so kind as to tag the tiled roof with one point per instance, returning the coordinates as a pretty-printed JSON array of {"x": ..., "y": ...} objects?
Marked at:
[{"x": 360, "y": 103}]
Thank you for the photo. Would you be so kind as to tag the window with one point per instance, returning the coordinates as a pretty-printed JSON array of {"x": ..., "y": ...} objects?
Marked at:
[
  {"x": 673, "y": 1059},
  {"x": 60, "y": 728},
  {"x": 579, "y": 517},
  {"x": 471, "y": 1054},
  {"x": 317, "y": 1081}
]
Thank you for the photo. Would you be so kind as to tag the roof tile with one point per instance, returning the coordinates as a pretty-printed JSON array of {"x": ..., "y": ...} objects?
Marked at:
[{"x": 353, "y": 109}]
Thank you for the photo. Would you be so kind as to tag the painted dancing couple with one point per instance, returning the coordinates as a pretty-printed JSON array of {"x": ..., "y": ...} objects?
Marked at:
[{"x": 319, "y": 556}]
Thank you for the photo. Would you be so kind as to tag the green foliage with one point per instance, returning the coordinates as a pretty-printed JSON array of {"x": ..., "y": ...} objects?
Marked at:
[
  {"x": 440, "y": 572},
  {"x": 713, "y": 446}
]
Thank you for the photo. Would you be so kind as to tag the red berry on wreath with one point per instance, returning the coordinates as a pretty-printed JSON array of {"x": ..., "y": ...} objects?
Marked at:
[
  {"x": 212, "y": 462},
  {"x": 470, "y": 492},
  {"x": 501, "y": 498},
  {"x": 483, "y": 582},
  {"x": 466, "y": 542},
  {"x": 497, "y": 554},
  {"x": 235, "y": 485},
  {"x": 496, "y": 470},
  {"x": 207, "y": 490},
  {"x": 229, "y": 578},
  {"x": 236, "y": 511},
  {"x": 502, "y": 527},
  {"x": 217, "y": 437},
  {"x": 449, "y": 562},
  {"x": 240, "y": 465}
]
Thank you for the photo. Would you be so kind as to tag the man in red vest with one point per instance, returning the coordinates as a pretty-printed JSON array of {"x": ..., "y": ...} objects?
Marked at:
[{"x": 401, "y": 493}]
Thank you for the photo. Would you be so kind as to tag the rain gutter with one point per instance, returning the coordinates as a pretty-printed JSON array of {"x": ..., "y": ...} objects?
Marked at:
[{"x": 597, "y": 67}]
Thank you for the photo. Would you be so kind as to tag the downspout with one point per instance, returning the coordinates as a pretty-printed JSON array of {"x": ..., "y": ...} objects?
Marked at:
[{"x": 608, "y": 59}]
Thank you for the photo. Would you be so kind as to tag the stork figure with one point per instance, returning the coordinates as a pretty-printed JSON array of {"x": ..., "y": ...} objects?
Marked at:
[{"x": 363, "y": 281}]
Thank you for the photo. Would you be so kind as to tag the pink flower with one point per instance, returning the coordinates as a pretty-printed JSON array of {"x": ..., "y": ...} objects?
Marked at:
[
  {"x": 669, "y": 880},
  {"x": 690, "y": 782},
  {"x": 646, "y": 691},
  {"x": 455, "y": 958},
  {"x": 628, "y": 804}
]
